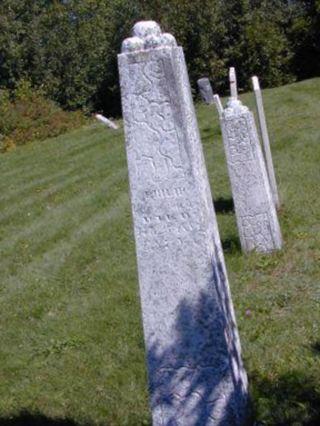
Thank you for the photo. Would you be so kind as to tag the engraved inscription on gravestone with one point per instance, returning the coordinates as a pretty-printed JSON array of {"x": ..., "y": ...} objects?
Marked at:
[
  {"x": 205, "y": 90},
  {"x": 193, "y": 352},
  {"x": 254, "y": 207}
]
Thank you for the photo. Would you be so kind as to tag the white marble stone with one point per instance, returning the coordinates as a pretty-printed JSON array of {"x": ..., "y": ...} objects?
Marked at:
[
  {"x": 265, "y": 141},
  {"x": 233, "y": 83},
  {"x": 196, "y": 376},
  {"x": 254, "y": 207},
  {"x": 218, "y": 103},
  {"x": 205, "y": 90},
  {"x": 106, "y": 121}
]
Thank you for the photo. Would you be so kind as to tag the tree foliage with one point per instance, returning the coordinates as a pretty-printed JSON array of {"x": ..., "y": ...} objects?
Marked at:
[
  {"x": 26, "y": 115},
  {"x": 68, "y": 48}
]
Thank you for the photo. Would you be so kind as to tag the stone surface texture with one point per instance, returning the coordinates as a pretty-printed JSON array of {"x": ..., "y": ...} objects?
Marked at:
[
  {"x": 205, "y": 90},
  {"x": 254, "y": 207},
  {"x": 196, "y": 376}
]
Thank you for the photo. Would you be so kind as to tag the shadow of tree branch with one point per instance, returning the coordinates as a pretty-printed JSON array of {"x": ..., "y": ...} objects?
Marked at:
[
  {"x": 290, "y": 399},
  {"x": 198, "y": 379},
  {"x": 35, "y": 419},
  {"x": 223, "y": 205}
]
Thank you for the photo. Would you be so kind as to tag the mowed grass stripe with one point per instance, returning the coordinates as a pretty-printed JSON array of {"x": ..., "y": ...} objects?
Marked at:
[
  {"x": 48, "y": 263},
  {"x": 53, "y": 194},
  {"x": 107, "y": 157},
  {"x": 27, "y": 186},
  {"x": 58, "y": 222},
  {"x": 64, "y": 147}
]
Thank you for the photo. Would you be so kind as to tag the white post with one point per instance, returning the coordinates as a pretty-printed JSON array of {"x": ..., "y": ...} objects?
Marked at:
[
  {"x": 265, "y": 141},
  {"x": 218, "y": 104},
  {"x": 106, "y": 121},
  {"x": 233, "y": 83}
]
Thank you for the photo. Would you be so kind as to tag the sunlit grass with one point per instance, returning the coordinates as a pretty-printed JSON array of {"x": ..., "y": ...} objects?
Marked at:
[{"x": 71, "y": 338}]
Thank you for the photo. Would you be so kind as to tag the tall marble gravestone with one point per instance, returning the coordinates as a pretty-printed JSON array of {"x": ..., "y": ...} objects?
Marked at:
[
  {"x": 205, "y": 90},
  {"x": 194, "y": 363},
  {"x": 254, "y": 207}
]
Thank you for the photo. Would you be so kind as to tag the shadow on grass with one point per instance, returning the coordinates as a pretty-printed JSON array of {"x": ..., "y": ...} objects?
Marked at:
[
  {"x": 27, "y": 419},
  {"x": 316, "y": 348},
  {"x": 223, "y": 205},
  {"x": 291, "y": 399},
  {"x": 231, "y": 244}
]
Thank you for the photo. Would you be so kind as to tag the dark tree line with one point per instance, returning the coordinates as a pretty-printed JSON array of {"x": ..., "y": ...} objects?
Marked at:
[{"x": 68, "y": 48}]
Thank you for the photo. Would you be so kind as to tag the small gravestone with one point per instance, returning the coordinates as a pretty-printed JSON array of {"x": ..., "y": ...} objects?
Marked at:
[
  {"x": 254, "y": 207},
  {"x": 195, "y": 370},
  {"x": 205, "y": 90}
]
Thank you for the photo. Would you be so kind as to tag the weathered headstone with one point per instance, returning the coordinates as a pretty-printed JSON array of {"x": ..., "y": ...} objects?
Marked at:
[
  {"x": 205, "y": 90},
  {"x": 265, "y": 141},
  {"x": 195, "y": 370},
  {"x": 254, "y": 207}
]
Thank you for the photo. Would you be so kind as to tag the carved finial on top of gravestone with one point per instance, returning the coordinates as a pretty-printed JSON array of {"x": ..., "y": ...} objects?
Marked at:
[
  {"x": 234, "y": 106},
  {"x": 147, "y": 35},
  {"x": 144, "y": 29}
]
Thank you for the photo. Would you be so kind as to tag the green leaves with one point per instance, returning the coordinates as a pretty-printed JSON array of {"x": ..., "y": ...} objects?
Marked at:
[{"x": 69, "y": 48}]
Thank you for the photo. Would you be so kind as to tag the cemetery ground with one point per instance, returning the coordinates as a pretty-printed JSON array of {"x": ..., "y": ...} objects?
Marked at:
[{"x": 72, "y": 348}]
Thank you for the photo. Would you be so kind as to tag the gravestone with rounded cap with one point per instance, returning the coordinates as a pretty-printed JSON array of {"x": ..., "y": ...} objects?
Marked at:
[
  {"x": 205, "y": 90},
  {"x": 196, "y": 376}
]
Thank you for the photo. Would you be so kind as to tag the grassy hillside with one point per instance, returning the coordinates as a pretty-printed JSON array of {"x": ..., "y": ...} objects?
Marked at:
[{"x": 70, "y": 329}]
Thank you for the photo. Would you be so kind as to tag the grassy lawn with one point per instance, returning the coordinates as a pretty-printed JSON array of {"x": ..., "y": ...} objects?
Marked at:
[{"x": 72, "y": 348}]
